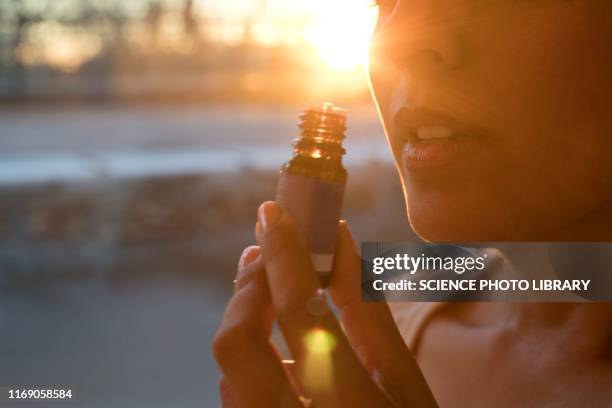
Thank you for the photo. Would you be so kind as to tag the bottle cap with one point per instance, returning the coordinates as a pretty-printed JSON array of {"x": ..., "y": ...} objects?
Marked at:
[{"x": 323, "y": 123}]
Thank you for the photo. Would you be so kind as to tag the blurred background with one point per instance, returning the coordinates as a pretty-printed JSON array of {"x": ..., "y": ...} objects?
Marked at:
[{"x": 136, "y": 141}]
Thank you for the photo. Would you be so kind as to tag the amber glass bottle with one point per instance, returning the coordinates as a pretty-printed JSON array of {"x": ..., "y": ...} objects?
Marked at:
[{"x": 311, "y": 184}]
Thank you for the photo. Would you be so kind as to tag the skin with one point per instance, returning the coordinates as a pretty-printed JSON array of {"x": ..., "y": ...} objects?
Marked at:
[
  {"x": 536, "y": 75},
  {"x": 365, "y": 373}
]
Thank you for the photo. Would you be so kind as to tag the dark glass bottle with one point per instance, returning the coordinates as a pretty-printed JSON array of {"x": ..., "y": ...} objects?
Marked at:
[{"x": 311, "y": 184}]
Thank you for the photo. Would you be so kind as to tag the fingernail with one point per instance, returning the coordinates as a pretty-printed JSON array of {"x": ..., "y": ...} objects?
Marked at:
[
  {"x": 248, "y": 256},
  {"x": 269, "y": 214}
]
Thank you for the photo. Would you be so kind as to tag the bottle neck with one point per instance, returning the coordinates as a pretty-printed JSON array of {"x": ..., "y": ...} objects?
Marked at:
[
  {"x": 317, "y": 150},
  {"x": 316, "y": 164}
]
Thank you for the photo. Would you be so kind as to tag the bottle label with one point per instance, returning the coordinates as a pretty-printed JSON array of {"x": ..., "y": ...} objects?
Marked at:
[{"x": 316, "y": 206}]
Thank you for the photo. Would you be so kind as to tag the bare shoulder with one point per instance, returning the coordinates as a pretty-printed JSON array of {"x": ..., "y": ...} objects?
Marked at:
[{"x": 471, "y": 357}]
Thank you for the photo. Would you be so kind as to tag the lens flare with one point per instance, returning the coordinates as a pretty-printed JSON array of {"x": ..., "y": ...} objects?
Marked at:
[
  {"x": 341, "y": 30},
  {"x": 320, "y": 341},
  {"x": 318, "y": 365}
]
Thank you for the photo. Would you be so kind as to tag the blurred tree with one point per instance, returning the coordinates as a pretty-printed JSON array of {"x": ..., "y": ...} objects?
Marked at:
[
  {"x": 22, "y": 19},
  {"x": 194, "y": 25},
  {"x": 116, "y": 16},
  {"x": 248, "y": 38},
  {"x": 189, "y": 20},
  {"x": 153, "y": 20}
]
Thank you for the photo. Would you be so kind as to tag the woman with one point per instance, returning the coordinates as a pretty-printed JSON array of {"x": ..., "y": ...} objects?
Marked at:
[{"x": 498, "y": 116}]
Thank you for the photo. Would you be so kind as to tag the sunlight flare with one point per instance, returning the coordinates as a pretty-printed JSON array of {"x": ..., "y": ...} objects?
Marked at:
[
  {"x": 318, "y": 367},
  {"x": 340, "y": 30}
]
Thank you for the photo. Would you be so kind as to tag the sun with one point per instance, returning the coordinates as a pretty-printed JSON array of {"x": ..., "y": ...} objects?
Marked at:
[{"x": 340, "y": 30}]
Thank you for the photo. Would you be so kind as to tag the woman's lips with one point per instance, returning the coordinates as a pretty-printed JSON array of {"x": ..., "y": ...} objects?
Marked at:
[{"x": 431, "y": 141}]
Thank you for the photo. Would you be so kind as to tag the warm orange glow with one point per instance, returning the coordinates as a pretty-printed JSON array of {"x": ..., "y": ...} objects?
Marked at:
[
  {"x": 51, "y": 43},
  {"x": 318, "y": 367},
  {"x": 341, "y": 30}
]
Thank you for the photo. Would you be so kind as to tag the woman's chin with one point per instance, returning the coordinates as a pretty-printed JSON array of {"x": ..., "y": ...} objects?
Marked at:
[
  {"x": 434, "y": 229},
  {"x": 445, "y": 221}
]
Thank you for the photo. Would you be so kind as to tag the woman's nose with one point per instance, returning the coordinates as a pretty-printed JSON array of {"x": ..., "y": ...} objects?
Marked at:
[{"x": 420, "y": 36}]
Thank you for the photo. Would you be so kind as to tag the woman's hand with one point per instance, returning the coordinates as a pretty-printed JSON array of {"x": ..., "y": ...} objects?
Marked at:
[{"x": 363, "y": 363}]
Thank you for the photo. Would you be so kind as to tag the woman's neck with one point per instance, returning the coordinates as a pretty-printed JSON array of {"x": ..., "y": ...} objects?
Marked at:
[
  {"x": 586, "y": 328},
  {"x": 595, "y": 226}
]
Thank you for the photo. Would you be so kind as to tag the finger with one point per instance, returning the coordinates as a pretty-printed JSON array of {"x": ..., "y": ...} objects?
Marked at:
[
  {"x": 227, "y": 398},
  {"x": 372, "y": 331},
  {"x": 307, "y": 324},
  {"x": 367, "y": 325},
  {"x": 245, "y": 274},
  {"x": 248, "y": 361}
]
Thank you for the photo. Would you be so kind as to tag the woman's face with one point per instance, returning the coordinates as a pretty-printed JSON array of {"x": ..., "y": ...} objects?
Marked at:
[{"x": 498, "y": 112}]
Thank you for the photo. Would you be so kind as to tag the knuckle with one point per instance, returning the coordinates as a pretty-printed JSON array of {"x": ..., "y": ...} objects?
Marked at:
[{"x": 291, "y": 311}]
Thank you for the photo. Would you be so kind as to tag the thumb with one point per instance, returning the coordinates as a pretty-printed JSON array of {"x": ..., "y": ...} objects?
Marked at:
[{"x": 372, "y": 332}]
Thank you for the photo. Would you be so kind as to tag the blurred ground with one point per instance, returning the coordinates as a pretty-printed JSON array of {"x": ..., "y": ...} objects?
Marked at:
[{"x": 120, "y": 228}]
